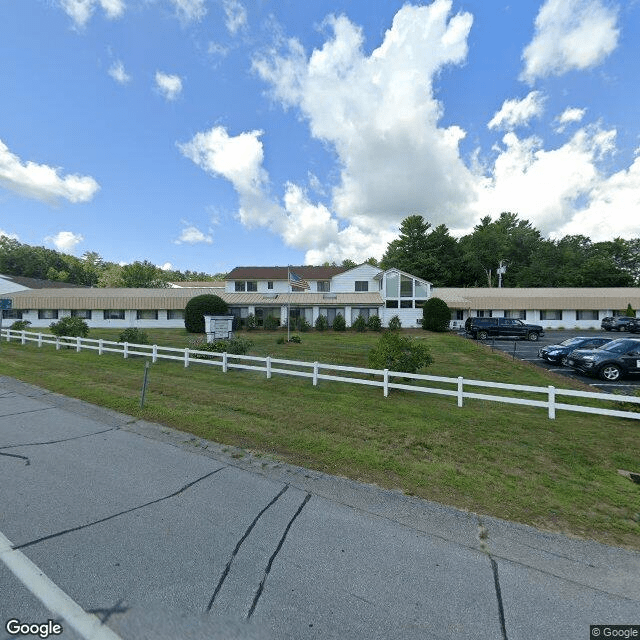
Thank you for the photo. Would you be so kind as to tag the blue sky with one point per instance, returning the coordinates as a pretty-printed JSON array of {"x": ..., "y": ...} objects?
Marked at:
[{"x": 207, "y": 134}]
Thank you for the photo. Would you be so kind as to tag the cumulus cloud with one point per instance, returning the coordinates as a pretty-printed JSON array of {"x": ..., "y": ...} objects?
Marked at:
[
  {"x": 514, "y": 113},
  {"x": 236, "y": 15},
  {"x": 80, "y": 11},
  {"x": 570, "y": 34},
  {"x": 190, "y": 10},
  {"x": 41, "y": 182},
  {"x": 65, "y": 241},
  {"x": 118, "y": 73},
  {"x": 193, "y": 235},
  {"x": 569, "y": 116},
  {"x": 13, "y": 236},
  {"x": 170, "y": 86},
  {"x": 167, "y": 266}
]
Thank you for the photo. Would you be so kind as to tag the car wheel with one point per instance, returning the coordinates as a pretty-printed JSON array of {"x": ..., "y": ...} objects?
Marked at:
[
  {"x": 482, "y": 335},
  {"x": 533, "y": 336},
  {"x": 610, "y": 372},
  {"x": 565, "y": 361}
]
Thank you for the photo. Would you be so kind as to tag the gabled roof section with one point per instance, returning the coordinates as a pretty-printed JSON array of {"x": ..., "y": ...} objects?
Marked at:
[
  {"x": 402, "y": 273},
  {"x": 37, "y": 283},
  {"x": 281, "y": 273}
]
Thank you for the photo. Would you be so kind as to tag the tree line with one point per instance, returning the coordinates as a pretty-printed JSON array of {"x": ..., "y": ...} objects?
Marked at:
[{"x": 18, "y": 259}]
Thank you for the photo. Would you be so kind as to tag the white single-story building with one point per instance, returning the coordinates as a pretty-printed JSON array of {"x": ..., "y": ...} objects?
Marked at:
[{"x": 268, "y": 291}]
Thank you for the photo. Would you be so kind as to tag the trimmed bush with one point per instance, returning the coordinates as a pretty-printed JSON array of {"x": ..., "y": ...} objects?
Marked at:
[
  {"x": 397, "y": 352},
  {"x": 236, "y": 346},
  {"x": 395, "y": 324},
  {"x": 339, "y": 323},
  {"x": 252, "y": 322},
  {"x": 295, "y": 339},
  {"x": 271, "y": 323},
  {"x": 303, "y": 325},
  {"x": 70, "y": 326},
  {"x": 20, "y": 325},
  {"x": 322, "y": 323},
  {"x": 374, "y": 323},
  {"x": 134, "y": 335},
  {"x": 359, "y": 324},
  {"x": 199, "y": 307},
  {"x": 436, "y": 315}
]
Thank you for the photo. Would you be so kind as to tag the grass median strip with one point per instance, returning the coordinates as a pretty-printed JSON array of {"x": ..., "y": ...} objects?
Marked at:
[{"x": 505, "y": 460}]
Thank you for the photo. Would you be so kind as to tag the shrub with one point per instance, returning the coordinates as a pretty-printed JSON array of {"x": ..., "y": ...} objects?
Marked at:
[
  {"x": 252, "y": 322},
  {"x": 70, "y": 326},
  {"x": 20, "y": 325},
  {"x": 303, "y": 324},
  {"x": 271, "y": 323},
  {"x": 322, "y": 323},
  {"x": 399, "y": 353},
  {"x": 436, "y": 315},
  {"x": 199, "y": 307},
  {"x": 395, "y": 324},
  {"x": 295, "y": 339},
  {"x": 236, "y": 346},
  {"x": 280, "y": 340},
  {"x": 134, "y": 335},
  {"x": 339, "y": 323},
  {"x": 359, "y": 324},
  {"x": 630, "y": 312},
  {"x": 374, "y": 323}
]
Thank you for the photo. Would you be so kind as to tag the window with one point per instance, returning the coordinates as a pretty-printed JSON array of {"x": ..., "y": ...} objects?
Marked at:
[
  {"x": 270, "y": 284},
  {"x": 146, "y": 314},
  {"x": 484, "y": 313},
  {"x": 406, "y": 287},
  {"x": 12, "y": 314},
  {"x": 47, "y": 314},
  {"x": 392, "y": 304},
  {"x": 515, "y": 313},
  {"x": 551, "y": 314},
  {"x": 85, "y": 314},
  {"x": 587, "y": 315},
  {"x": 406, "y": 304},
  {"x": 362, "y": 285},
  {"x": 114, "y": 314},
  {"x": 240, "y": 285},
  {"x": 323, "y": 286},
  {"x": 392, "y": 285},
  {"x": 366, "y": 313},
  {"x": 420, "y": 304},
  {"x": 252, "y": 285},
  {"x": 330, "y": 313},
  {"x": 457, "y": 314},
  {"x": 421, "y": 290},
  {"x": 175, "y": 314}
]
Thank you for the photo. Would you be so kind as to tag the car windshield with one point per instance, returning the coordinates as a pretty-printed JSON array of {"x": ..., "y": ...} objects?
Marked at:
[
  {"x": 621, "y": 346},
  {"x": 570, "y": 341}
]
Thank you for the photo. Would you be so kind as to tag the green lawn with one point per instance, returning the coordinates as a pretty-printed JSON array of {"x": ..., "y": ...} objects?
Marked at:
[{"x": 505, "y": 460}]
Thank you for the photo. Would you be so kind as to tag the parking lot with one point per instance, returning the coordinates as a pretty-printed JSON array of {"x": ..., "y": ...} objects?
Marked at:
[{"x": 528, "y": 352}]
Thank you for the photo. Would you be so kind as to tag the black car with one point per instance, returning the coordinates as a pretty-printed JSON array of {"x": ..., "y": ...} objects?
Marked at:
[
  {"x": 634, "y": 325},
  {"x": 482, "y": 328},
  {"x": 610, "y": 361},
  {"x": 557, "y": 353},
  {"x": 616, "y": 323}
]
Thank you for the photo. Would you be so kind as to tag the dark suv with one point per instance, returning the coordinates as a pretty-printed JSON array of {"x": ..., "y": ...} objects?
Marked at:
[
  {"x": 482, "y": 328},
  {"x": 617, "y": 323},
  {"x": 610, "y": 361}
]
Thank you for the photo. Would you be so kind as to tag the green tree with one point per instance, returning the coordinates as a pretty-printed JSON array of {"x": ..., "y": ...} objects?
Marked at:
[
  {"x": 398, "y": 352},
  {"x": 199, "y": 307},
  {"x": 70, "y": 326},
  {"x": 435, "y": 315},
  {"x": 143, "y": 275}
]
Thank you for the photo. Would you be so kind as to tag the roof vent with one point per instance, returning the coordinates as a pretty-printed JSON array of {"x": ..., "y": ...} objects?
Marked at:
[
  {"x": 271, "y": 296},
  {"x": 330, "y": 295}
]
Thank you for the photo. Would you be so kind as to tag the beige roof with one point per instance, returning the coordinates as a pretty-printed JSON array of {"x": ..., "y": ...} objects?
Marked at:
[
  {"x": 615, "y": 298},
  {"x": 101, "y": 298}
]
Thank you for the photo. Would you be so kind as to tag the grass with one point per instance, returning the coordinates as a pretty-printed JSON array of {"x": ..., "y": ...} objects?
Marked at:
[{"x": 509, "y": 461}]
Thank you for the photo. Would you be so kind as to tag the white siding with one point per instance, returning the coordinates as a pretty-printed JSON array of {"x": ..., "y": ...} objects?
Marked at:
[{"x": 346, "y": 282}]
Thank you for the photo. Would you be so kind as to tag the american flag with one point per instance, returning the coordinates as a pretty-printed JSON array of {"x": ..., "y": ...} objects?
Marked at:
[{"x": 297, "y": 281}]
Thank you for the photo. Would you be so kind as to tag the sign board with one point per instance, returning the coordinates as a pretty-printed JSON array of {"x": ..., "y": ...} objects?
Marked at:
[
  {"x": 218, "y": 327},
  {"x": 5, "y": 303}
]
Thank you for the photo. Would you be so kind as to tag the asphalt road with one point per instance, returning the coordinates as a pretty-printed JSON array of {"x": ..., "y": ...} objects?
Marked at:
[
  {"x": 528, "y": 351},
  {"x": 118, "y": 528}
]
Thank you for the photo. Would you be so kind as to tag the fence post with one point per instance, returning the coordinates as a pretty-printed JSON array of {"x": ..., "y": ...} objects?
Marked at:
[
  {"x": 78, "y": 344},
  {"x": 154, "y": 356},
  {"x": 552, "y": 403},
  {"x": 315, "y": 374},
  {"x": 186, "y": 358},
  {"x": 100, "y": 346},
  {"x": 224, "y": 362},
  {"x": 460, "y": 391},
  {"x": 268, "y": 361},
  {"x": 39, "y": 339},
  {"x": 386, "y": 382},
  {"x": 24, "y": 337},
  {"x": 125, "y": 350},
  {"x": 57, "y": 343}
]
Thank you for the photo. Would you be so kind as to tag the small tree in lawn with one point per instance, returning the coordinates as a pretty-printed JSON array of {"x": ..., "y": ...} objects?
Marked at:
[
  {"x": 359, "y": 324},
  {"x": 322, "y": 323},
  {"x": 70, "y": 326},
  {"x": 374, "y": 323},
  {"x": 395, "y": 324},
  {"x": 398, "y": 352},
  {"x": 339, "y": 323},
  {"x": 435, "y": 315},
  {"x": 199, "y": 307},
  {"x": 630, "y": 312}
]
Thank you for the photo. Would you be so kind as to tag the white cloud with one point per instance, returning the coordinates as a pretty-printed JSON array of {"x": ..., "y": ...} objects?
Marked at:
[
  {"x": 515, "y": 112},
  {"x": 41, "y": 182},
  {"x": 190, "y": 10},
  {"x": 167, "y": 266},
  {"x": 80, "y": 11},
  {"x": 65, "y": 241},
  {"x": 13, "y": 236},
  {"x": 568, "y": 116},
  {"x": 236, "y": 15},
  {"x": 193, "y": 235},
  {"x": 170, "y": 86},
  {"x": 570, "y": 34},
  {"x": 118, "y": 73}
]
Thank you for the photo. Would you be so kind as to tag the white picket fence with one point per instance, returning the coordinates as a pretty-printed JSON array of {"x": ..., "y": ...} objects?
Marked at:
[{"x": 319, "y": 371}]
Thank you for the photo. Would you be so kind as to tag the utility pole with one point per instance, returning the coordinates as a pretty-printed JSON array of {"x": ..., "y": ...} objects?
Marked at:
[{"x": 502, "y": 269}]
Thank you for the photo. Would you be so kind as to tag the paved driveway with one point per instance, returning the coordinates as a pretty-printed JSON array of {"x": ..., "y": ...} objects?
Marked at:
[
  {"x": 117, "y": 528},
  {"x": 528, "y": 351}
]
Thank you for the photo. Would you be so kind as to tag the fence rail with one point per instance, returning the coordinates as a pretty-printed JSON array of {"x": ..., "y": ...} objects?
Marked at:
[{"x": 317, "y": 371}]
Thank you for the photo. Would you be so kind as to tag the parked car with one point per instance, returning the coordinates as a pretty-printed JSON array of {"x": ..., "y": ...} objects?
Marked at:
[
  {"x": 634, "y": 326},
  {"x": 557, "y": 353},
  {"x": 616, "y": 323},
  {"x": 482, "y": 328},
  {"x": 610, "y": 361}
]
